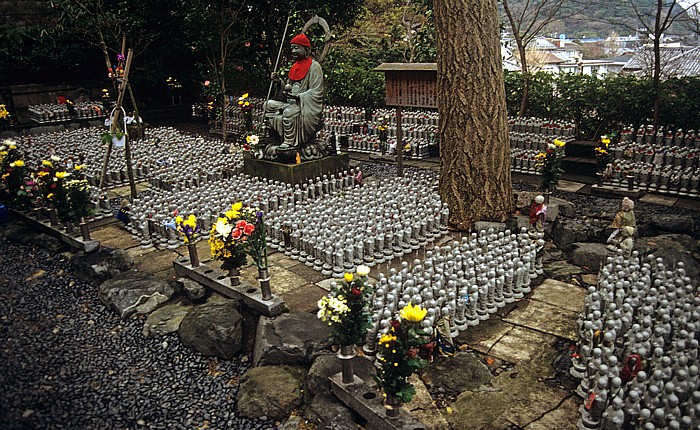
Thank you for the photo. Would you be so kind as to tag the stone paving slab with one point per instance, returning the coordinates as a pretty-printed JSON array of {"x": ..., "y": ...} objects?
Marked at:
[
  {"x": 688, "y": 204},
  {"x": 137, "y": 252},
  {"x": 108, "y": 232},
  {"x": 485, "y": 335},
  {"x": 561, "y": 294},
  {"x": 423, "y": 408},
  {"x": 561, "y": 418},
  {"x": 569, "y": 186},
  {"x": 280, "y": 259},
  {"x": 535, "y": 404},
  {"x": 297, "y": 293},
  {"x": 521, "y": 345},
  {"x": 659, "y": 199},
  {"x": 123, "y": 242},
  {"x": 307, "y": 273},
  {"x": 546, "y": 318},
  {"x": 156, "y": 261},
  {"x": 326, "y": 283}
]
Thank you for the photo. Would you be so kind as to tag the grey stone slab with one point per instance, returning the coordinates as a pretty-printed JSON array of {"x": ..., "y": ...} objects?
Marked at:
[
  {"x": 485, "y": 335},
  {"x": 326, "y": 283},
  {"x": 561, "y": 294},
  {"x": 536, "y": 403},
  {"x": 659, "y": 199},
  {"x": 546, "y": 318},
  {"x": 521, "y": 345},
  {"x": 569, "y": 186},
  {"x": 563, "y": 417}
]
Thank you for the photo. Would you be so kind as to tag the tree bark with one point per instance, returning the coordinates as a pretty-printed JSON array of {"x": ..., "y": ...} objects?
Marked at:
[{"x": 475, "y": 178}]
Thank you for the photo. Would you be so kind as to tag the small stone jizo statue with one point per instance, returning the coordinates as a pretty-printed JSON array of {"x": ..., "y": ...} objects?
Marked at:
[
  {"x": 538, "y": 213},
  {"x": 625, "y": 226}
]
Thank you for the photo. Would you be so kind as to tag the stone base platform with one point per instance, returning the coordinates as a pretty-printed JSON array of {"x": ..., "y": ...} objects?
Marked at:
[
  {"x": 603, "y": 190},
  {"x": 295, "y": 173}
]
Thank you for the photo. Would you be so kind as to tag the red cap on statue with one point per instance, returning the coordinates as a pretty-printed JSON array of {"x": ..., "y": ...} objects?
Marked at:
[{"x": 301, "y": 40}]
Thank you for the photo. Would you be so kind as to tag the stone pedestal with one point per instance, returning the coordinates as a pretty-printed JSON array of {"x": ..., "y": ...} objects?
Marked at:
[{"x": 294, "y": 173}]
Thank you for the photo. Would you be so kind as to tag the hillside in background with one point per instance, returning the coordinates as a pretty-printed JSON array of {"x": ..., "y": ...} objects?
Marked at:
[{"x": 604, "y": 16}]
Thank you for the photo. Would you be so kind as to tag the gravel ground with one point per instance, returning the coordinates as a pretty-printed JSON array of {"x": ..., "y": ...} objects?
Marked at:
[{"x": 69, "y": 363}]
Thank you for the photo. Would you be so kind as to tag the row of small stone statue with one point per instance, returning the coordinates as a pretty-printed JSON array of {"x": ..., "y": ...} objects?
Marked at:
[
  {"x": 460, "y": 284},
  {"x": 648, "y": 135},
  {"x": 151, "y": 210},
  {"x": 165, "y": 157},
  {"x": 653, "y": 177},
  {"x": 393, "y": 218},
  {"x": 637, "y": 355}
]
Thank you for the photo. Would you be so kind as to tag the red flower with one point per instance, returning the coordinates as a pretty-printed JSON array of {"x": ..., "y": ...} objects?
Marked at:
[
  {"x": 236, "y": 233},
  {"x": 395, "y": 324},
  {"x": 241, "y": 224},
  {"x": 355, "y": 291},
  {"x": 412, "y": 352},
  {"x": 248, "y": 229}
]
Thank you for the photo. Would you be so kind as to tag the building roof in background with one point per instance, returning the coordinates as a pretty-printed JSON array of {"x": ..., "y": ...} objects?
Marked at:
[{"x": 675, "y": 62}]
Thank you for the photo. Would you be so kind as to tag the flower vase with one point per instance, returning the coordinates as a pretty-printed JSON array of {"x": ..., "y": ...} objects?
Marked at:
[
  {"x": 264, "y": 278},
  {"x": 194, "y": 257},
  {"x": 599, "y": 178},
  {"x": 53, "y": 216},
  {"x": 392, "y": 405},
  {"x": 84, "y": 229},
  {"x": 233, "y": 274},
  {"x": 68, "y": 226},
  {"x": 346, "y": 353},
  {"x": 546, "y": 195}
]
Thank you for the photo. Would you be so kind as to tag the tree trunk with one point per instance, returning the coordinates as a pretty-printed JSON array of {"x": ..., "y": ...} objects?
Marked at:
[
  {"x": 656, "y": 74},
  {"x": 224, "y": 100},
  {"x": 475, "y": 178}
]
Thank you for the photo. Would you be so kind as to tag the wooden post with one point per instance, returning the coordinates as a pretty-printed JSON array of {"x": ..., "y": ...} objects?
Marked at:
[
  {"x": 399, "y": 143},
  {"x": 113, "y": 127}
]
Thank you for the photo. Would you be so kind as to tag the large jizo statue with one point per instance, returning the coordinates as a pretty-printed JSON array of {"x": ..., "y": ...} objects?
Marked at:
[{"x": 295, "y": 114}]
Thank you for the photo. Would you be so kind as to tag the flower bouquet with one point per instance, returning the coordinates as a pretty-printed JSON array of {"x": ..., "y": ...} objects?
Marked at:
[
  {"x": 246, "y": 110},
  {"x": 189, "y": 230},
  {"x": 228, "y": 238},
  {"x": 548, "y": 163},
  {"x": 345, "y": 308},
  {"x": 398, "y": 355},
  {"x": 602, "y": 155},
  {"x": 78, "y": 194},
  {"x": 18, "y": 184}
]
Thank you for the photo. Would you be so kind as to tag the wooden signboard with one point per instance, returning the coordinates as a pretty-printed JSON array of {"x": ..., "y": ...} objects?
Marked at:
[{"x": 410, "y": 84}]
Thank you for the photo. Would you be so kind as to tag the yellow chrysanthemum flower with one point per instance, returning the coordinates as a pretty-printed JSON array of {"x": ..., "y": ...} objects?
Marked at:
[
  {"x": 46, "y": 163},
  {"x": 605, "y": 141},
  {"x": 19, "y": 163},
  {"x": 79, "y": 167},
  {"x": 559, "y": 143},
  {"x": 387, "y": 338},
  {"x": 348, "y": 277},
  {"x": 178, "y": 219},
  {"x": 191, "y": 221},
  {"x": 413, "y": 313},
  {"x": 61, "y": 175}
]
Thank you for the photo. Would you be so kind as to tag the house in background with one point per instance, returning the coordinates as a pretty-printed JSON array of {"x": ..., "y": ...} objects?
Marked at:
[{"x": 676, "y": 61}]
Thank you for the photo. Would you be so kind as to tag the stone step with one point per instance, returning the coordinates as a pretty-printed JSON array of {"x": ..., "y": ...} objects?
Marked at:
[
  {"x": 579, "y": 166},
  {"x": 581, "y": 148}
]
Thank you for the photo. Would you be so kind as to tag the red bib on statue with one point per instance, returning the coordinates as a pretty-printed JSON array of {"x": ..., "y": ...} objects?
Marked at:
[{"x": 300, "y": 69}]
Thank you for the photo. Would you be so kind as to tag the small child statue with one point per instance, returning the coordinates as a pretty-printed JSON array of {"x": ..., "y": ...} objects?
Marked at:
[
  {"x": 538, "y": 213},
  {"x": 625, "y": 225}
]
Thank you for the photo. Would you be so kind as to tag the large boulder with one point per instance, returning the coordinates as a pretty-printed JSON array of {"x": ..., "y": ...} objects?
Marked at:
[
  {"x": 270, "y": 391},
  {"x": 193, "y": 290},
  {"x": 672, "y": 223},
  {"x": 291, "y": 338},
  {"x": 214, "y": 329},
  {"x": 97, "y": 267},
  {"x": 454, "y": 375},
  {"x": 589, "y": 255},
  {"x": 328, "y": 413},
  {"x": 134, "y": 293},
  {"x": 673, "y": 248},
  {"x": 166, "y": 319},
  {"x": 326, "y": 365},
  {"x": 568, "y": 231}
]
